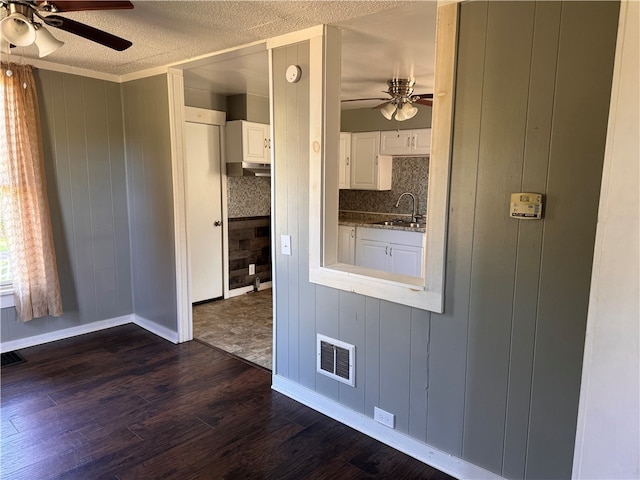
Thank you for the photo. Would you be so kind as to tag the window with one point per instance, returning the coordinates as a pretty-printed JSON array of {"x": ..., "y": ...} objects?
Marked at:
[
  {"x": 425, "y": 293},
  {"x": 6, "y": 286}
]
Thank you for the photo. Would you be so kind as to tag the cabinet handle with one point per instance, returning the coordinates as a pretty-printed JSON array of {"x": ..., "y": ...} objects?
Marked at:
[
  {"x": 413, "y": 141},
  {"x": 269, "y": 143},
  {"x": 408, "y": 141},
  {"x": 353, "y": 233},
  {"x": 391, "y": 251},
  {"x": 386, "y": 250},
  {"x": 265, "y": 143},
  {"x": 217, "y": 223},
  {"x": 347, "y": 161}
]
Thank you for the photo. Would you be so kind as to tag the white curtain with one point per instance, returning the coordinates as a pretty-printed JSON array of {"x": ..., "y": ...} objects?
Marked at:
[{"x": 24, "y": 206}]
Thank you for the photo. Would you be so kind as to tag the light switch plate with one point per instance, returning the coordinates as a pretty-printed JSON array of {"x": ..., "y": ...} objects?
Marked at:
[{"x": 285, "y": 242}]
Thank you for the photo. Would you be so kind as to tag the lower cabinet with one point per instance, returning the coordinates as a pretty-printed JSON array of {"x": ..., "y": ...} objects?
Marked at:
[
  {"x": 346, "y": 244},
  {"x": 392, "y": 251}
]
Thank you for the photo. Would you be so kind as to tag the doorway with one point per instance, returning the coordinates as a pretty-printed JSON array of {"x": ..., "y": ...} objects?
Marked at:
[
  {"x": 204, "y": 210},
  {"x": 231, "y": 316}
]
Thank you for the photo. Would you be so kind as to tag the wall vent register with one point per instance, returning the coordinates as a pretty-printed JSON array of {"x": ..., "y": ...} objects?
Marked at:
[{"x": 336, "y": 359}]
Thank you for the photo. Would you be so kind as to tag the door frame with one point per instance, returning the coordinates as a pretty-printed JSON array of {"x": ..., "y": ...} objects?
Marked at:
[{"x": 179, "y": 114}]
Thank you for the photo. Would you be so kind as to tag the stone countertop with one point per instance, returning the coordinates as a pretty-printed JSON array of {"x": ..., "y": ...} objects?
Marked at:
[{"x": 373, "y": 220}]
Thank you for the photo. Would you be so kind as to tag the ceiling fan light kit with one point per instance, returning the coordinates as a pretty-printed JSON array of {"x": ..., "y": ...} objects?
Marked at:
[
  {"x": 16, "y": 27},
  {"x": 19, "y": 29},
  {"x": 388, "y": 110},
  {"x": 401, "y": 101},
  {"x": 46, "y": 42}
]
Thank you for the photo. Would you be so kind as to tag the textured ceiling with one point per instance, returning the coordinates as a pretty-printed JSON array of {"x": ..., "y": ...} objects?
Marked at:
[
  {"x": 165, "y": 32},
  {"x": 381, "y": 40}
]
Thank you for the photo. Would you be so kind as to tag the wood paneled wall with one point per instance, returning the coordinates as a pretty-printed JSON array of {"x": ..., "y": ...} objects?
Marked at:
[
  {"x": 149, "y": 185},
  {"x": 249, "y": 243},
  {"x": 495, "y": 379},
  {"x": 85, "y": 172}
]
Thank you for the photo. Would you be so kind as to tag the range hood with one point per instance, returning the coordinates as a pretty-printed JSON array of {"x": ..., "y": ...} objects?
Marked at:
[{"x": 246, "y": 169}]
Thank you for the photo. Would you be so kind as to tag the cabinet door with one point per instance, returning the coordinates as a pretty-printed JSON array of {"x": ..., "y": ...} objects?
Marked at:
[
  {"x": 421, "y": 141},
  {"x": 364, "y": 150},
  {"x": 255, "y": 140},
  {"x": 396, "y": 142},
  {"x": 405, "y": 259},
  {"x": 372, "y": 254},
  {"x": 369, "y": 170},
  {"x": 344, "y": 161},
  {"x": 346, "y": 244}
]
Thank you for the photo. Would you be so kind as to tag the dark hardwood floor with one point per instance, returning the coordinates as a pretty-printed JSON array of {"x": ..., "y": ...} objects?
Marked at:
[{"x": 125, "y": 404}]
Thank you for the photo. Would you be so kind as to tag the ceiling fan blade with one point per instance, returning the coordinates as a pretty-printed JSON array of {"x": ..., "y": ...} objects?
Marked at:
[
  {"x": 362, "y": 99},
  {"x": 80, "y": 5},
  {"x": 381, "y": 105},
  {"x": 90, "y": 33},
  {"x": 424, "y": 101}
]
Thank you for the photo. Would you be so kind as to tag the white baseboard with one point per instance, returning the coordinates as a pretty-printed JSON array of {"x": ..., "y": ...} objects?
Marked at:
[
  {"x": 12, "y": 345},
  {"x": 153, "y": 327},
  {"x": 433, "y": 457},
  {"x": 236, "y": 292}
]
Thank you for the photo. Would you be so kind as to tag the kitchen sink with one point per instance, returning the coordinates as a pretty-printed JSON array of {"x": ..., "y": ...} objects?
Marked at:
[{"x": 400, "y": 223}]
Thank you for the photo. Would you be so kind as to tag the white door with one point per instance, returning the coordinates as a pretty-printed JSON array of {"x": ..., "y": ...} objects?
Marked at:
[{"x": 204, "y": 210}]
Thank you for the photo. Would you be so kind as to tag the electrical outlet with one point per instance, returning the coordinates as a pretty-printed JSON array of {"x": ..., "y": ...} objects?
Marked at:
[
  {"x": 252, "y": 269},
  {"x": 385, "y": 418}
]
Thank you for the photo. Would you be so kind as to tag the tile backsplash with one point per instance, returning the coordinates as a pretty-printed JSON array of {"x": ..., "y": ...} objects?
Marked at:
[
  {"x": 408, "y": 174},
  {"x": 248, "y": 197}
]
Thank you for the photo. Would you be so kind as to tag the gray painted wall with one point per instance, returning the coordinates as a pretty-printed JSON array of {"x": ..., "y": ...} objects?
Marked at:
[
  {"x": 368, "y": 120},
  {"x": 204, "y": 99},
  {"x": 148, "y": 153},
  {"x": 85, "y": 172},
  {"x": 252, "y": 108},
  {"x": 495, "y": 379}
]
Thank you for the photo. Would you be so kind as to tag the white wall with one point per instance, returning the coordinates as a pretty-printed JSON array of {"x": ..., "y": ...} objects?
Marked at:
[{"x": 607, "y": 438}]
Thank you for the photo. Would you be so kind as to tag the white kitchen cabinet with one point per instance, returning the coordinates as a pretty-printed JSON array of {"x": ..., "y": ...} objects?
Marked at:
[
  {"x": 406, "y": 142},
  {"x": 392, "y": 251},
  {"x": 369, "y": 169},
  {"x": 248, "y": 142},
  {"x": 405, "y": 259},
  {"x": 344, "y": 161},
  {"x": 346, "y": 244}
]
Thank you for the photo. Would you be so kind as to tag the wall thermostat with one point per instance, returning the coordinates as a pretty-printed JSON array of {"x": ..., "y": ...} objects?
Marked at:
[
  {"x": 293, "y": 73},
  {"x": 526, "y": 206}
]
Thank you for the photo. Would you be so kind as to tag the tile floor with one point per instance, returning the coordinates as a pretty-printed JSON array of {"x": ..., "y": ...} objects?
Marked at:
[{"x": 240, "y": 325}]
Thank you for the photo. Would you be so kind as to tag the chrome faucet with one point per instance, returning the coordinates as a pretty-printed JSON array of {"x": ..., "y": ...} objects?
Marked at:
[{"x": 414, "y": 213}]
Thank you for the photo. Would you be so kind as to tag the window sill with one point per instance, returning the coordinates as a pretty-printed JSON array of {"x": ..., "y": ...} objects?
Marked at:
[
  {"x": 6, "y": 298},
  {"x": 400, "y": 289}
]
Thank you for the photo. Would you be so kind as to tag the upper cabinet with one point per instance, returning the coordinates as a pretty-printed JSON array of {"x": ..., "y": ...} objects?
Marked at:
[
  {"x": 406, "y": 142},
  {"x": 344, "y": 161},
  {"x": 248, "y": 142},
  {"x": 369, "y": 169}
]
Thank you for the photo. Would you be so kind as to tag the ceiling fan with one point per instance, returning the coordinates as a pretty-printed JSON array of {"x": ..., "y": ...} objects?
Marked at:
[
  {"x": 401, "y": 101},
  {"x": 20, "y": 27}
]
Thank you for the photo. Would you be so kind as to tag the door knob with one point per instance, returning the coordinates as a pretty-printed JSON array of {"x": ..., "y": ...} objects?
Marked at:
[{"x": 217, "y": 223}]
